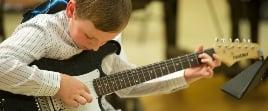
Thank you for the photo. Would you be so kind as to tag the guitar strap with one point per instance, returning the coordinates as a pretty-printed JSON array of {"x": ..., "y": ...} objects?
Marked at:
[{"x": 48, "y": 7}]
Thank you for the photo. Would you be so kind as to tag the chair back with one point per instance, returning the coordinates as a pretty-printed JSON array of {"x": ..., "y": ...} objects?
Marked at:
[{"x": 48, "y": 7}]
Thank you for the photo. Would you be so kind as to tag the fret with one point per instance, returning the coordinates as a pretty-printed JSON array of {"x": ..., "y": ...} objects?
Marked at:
[
  {"x": 170, "y": 66},
  {"x": 146, "y": 75},
  {"x": 152, "y": 72},
  {"x": 197, "y": 59},
  {"x": 125, "y": 79},
  {"x": 143, "y": 76},
  {"x": 210, "y": 52},
  {"x": 139, "y": 78},
  {"x": 133, "y": 76},
  {"x": 172, "y": 60},
  {"x": 158, "y": 70},
  {"x": 118, "y": 81},
  {"x": 136, "y": 80},
  {"x": 107, "y": 84},
  {"x": 128, "y": 79},
  {"x": 147, "y": 72},
  {"x": 164, "y": 69},
  {"x": 187, "y": 56},
  {"x": 97, "y": 87},
  {"x": 166, "y": 63},
  {"x": 179, "y": 63},
  {"x": 122, "y": 80},
  {"x": 194, "y": 60},
  {"x": 153, "y": 68},
  {"x": 160, "y": 67},
  {"x": 101, "y": 86},
  {"x": 114, "y": 83},
  {"x": 185, "y": 62}
]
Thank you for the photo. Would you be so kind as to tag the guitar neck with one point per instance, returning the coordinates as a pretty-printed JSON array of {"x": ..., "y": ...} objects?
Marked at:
[{"x": 128, "y": 78}]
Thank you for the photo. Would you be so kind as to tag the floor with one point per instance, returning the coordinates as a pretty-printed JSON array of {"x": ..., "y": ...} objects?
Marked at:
[{"x": 144, "y": 43}]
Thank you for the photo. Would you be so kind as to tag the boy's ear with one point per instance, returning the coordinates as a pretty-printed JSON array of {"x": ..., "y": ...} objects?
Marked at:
[{"x": 70, "y": 9}]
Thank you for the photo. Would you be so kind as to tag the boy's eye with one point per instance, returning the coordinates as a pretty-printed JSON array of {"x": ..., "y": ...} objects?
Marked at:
[{"x": 88, "y": 37}]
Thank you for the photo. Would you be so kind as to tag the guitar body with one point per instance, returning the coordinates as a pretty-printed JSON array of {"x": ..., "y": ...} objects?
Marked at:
[
  {"x": 85, "y": 66},
  {"x": 55, "y": 104},
  {"x": 29, "y": 103}
]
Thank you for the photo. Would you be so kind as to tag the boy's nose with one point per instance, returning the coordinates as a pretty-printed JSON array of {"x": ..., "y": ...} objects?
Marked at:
[{"x": 96, "y": 48}]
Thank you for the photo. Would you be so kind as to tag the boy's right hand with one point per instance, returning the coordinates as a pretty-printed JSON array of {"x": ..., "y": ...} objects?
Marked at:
[{"x": 73, "y": 92}]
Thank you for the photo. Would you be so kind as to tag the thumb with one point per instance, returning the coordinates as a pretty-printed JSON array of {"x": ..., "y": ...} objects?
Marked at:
[{"x": 199, "y": 48}]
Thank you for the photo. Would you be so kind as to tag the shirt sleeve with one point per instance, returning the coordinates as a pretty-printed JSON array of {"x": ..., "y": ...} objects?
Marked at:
[
  {"x": 26, "y": 44},
  {"x": 166, "y": 84}
]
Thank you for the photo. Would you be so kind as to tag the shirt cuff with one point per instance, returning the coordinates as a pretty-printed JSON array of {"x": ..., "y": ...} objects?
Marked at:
[
  {"x": 177, "y": 75},
  {"x": 179, "y": 83},
  {"x": 182, "y": 83},
  {"x": 50, "y": 83}
]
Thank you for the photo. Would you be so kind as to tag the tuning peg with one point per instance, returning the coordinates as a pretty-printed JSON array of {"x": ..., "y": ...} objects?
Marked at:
[
  {"x": 223, "y": 40},
  {"x": 217, "y": 39},
  {"x": 249, "y": 41},
  {"x": 237, "y": 40},
  {"x": 244, "y": 40},
  {"x": 230, "y": 40}
]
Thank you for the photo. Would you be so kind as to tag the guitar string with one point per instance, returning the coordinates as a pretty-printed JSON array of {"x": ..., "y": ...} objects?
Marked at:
[
  {"x": 159, "y": 65},
  {"x": 148, "y": 67}
]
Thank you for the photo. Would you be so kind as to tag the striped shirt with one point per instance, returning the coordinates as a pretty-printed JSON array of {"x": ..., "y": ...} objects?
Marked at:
[{"x": 47, "y": 36}]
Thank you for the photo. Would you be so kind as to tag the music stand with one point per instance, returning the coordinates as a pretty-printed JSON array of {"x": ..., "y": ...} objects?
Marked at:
[{"x": 247, "y": 80}]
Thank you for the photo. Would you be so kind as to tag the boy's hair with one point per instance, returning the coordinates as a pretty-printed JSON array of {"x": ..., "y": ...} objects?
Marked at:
[{"x": 106, "y": 15}]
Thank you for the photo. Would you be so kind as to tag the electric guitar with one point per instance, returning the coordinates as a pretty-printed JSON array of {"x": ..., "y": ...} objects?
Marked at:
[{"x": 86, "y": 67}]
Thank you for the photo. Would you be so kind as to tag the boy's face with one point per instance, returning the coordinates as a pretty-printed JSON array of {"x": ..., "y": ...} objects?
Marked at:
[
  {"x": 84, "y": 33},
  {"x": 86, "y": 36}
]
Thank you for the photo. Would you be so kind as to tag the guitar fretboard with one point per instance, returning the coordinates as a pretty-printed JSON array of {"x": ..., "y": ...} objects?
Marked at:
[{"x": 128, "y": 78}]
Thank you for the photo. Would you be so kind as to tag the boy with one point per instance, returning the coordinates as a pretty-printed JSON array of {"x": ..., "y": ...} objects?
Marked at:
[{"x": 84, "y": 25}]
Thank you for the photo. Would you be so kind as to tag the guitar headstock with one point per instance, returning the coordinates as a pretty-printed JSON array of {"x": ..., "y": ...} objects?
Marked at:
[{"x": 231, "y": 52}]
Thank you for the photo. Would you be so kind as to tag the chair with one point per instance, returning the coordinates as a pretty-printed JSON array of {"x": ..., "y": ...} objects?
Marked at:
[{"x": 49, "y": 7}]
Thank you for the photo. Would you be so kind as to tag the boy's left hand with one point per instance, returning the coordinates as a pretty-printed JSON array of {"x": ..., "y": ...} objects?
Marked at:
[{"x": 205, "y": 70}]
